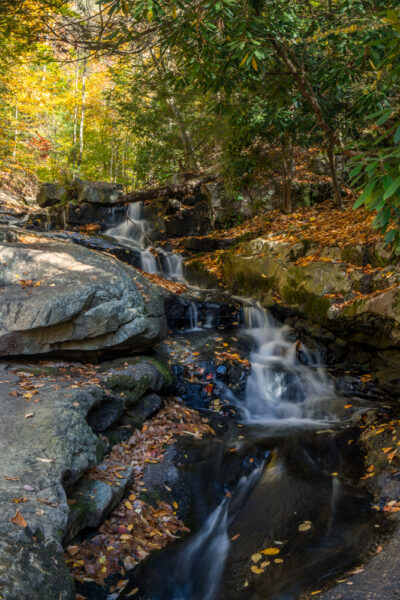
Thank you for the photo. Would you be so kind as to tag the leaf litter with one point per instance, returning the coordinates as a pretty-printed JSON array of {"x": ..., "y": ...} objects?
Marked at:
[{"x": 135, "y": 528}]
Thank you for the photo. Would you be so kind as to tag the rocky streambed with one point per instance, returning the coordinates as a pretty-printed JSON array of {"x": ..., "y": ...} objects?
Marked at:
[{"x": 133, "y": 416}]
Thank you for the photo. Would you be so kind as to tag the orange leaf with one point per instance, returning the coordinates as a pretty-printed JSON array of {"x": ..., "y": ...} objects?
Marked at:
[{"x": 19, "y": 520}]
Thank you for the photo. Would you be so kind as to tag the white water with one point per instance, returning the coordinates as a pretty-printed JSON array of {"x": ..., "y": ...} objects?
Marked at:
[
  {"x": 135, "y": 231},
  {"x": 202, "y": 561},
  {"x": 280, "y": 387}
]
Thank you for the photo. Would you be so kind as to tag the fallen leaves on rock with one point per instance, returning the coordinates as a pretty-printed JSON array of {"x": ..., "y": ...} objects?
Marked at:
[
  {"x": 19, "y": 520},
  {"x": 135, "y": 528}
]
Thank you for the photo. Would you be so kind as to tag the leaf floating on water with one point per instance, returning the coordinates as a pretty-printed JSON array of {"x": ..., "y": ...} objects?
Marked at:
[
  {"x": 132, "y": 593},
  {"x": 270, "y": 551},
  {"x": 235, "y": 537},
  {"x": 265, "y": 563},
  {"x": 278, "y": 560},
  {"x": 19, "y": 520},
  {"x": 256, "y": 557},
  {"x": 305, "y": 526},
  {"x": 316, "y": 592},
  {"x": 257, "y": 570},
  {"x": 246, "y": 584}
]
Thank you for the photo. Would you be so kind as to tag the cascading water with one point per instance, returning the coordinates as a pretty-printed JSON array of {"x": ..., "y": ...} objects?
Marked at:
[
  {"x": 135, "y": 231},
  {"x": 280, "y": 386}
]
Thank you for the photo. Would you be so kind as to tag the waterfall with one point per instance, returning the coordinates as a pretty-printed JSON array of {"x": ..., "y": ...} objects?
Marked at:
[
  {"x": 280, "y": 386},
  {"x": 135, "y": 231},
  {"x": 194, "y": 317}
]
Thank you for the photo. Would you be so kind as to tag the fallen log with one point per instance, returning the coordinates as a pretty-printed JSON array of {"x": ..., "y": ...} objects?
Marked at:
[{"x": 168, "y": 191}]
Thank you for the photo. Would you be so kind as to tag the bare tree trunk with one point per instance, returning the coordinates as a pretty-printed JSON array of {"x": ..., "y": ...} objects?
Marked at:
[
  {"x": 336, "y": 186},
  {"x": 83, "y": 108},
  {"x": 288, "y": 164},
  {"x": 16, "y": 133},
  {"x": 75, "y": 115}
]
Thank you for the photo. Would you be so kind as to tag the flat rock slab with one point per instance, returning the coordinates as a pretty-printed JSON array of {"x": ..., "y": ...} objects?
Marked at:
[
  {"x": 59, "y": 297},
  {"x": 46, "y": 445}
]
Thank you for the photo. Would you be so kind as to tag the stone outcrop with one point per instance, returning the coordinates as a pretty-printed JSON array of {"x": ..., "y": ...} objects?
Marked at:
[
  {"x": 328, "y": 286},
  {"x": 59, "y": 297},
  {"x": 46, "y": 446},
  {"x": 51, "y": 194}
]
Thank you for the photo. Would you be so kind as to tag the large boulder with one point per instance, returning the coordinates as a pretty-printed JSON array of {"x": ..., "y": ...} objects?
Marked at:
[
  {"x": 44, "y": 448},
  {"x": 51, "y": 194},
  {"x": 59, "y": 297},
  {"x": 99, "y": 192}
]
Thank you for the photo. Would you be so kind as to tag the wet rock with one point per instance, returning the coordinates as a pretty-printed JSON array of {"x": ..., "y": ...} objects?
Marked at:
[
  {"x": 147, "y": 406},
  {"x": 92, "y": 500},
  {"x": 105, "y": 215},
  {"x": 106, "y": 414},
  {"x": 76, "y": 300},
  {"x": 185, "y": 312},
  {"x": 130, "y": 256}
]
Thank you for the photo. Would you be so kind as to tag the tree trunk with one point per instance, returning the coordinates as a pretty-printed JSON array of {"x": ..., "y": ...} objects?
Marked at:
[
  {"x": 308, "y": 94},
  {"x": 83, "y": 108},
  {"x": 16, "y": 133},
  {"x": 75, "y": 116},
  {"x": 288, "y": 177},
  {"x": 336, "y": 186}
]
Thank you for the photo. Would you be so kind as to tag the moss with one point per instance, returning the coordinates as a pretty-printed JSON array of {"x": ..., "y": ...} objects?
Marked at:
[
  {"x": 131, "y": 387},
  {"x": 152, "y": 498},
  {"x": 164, "y": 370},
  {"x": 315, "y": 306},
  {"x": 40, "y": 370}
]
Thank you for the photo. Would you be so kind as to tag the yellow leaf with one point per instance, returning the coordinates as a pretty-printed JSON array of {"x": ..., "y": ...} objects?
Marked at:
[
  {"x": 270, "y": 551},
  {"x": 305, "y": 526},
  {"x": 256, "y": 570},
  {"x": 174, "y": 12},
  {"x": 256, "y": 557},
  {"x": 244, "y": 60},
  {"x": 254, "y": 64},
  {"x": 265, "y": 563},
  {"x": 128, "y": 505}
]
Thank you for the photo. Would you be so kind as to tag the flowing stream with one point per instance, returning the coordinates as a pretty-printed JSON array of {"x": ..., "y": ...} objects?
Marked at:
[
  {"x": 135, "y": 231},
  {"x": 283, "y": 479}
]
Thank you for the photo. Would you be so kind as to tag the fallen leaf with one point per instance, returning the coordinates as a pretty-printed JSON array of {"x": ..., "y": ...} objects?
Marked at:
[
  {"x": 305, "y": 526},
  {"x": 19, "y": 520},
  {"x": 270, "y": 551},
  {"x": 256, "y": 570},
  {"x": 256, "y": 557}
]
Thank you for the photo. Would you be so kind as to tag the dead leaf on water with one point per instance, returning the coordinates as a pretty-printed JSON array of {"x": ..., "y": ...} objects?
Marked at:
[
  {"x": 270, "y": 551},
  {"x": 256, "y": 557},
  {"x": 256, "y": 570},
  {"x": 305, "y": 526}
]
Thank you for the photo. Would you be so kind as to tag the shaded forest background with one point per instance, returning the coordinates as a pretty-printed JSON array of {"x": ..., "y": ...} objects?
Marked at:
[{"x": 135, "y": 91}]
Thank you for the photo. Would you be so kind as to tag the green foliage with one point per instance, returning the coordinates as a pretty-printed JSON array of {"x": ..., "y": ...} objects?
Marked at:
[{"x": 377, "y": 169}]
